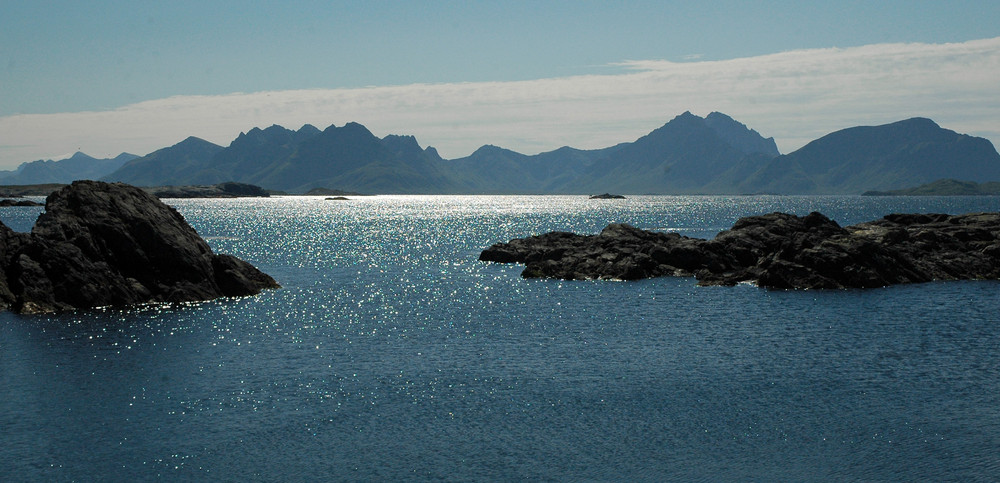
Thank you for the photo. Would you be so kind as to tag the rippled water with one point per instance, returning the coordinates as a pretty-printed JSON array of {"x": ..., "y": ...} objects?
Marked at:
[{"x": 392, "y": 353}]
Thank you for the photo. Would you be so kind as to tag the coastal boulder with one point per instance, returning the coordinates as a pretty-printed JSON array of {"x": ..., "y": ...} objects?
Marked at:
[{"x": 99, "y": 244}]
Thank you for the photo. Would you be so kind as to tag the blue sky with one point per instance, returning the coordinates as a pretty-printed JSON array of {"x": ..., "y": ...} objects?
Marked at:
[{"x": 113, "y": 76}]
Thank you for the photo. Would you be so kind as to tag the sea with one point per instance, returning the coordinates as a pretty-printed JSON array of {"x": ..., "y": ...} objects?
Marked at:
[{"x": 391, "y": 353}]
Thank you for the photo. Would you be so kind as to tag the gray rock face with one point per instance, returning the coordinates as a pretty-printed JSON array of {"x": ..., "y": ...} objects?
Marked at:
[
  {"x": 100, "y": 244},
  {"x": 776, "y": 250}
]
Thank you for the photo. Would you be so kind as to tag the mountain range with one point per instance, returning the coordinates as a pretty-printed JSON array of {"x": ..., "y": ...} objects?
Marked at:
[
  {"x": 78, "y": 166},
  {"x": 688, "y": 155}
]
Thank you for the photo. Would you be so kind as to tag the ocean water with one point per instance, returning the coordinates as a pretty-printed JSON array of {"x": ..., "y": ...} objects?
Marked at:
[{"x": 392, "y": 353}]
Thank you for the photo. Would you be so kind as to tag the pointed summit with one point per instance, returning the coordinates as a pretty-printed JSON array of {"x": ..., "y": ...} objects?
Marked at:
[
  {"x": 80, "y": 156},
  {"x": 739, "y": 136}
]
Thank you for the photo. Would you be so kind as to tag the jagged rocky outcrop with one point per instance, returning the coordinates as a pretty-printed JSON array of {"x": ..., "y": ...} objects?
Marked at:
[
  {"x": 99, "y": 244},
  {"x": 776, "y": 250}
]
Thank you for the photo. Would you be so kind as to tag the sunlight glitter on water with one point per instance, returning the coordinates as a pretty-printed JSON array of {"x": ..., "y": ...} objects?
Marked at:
[{"x": 391, "y": 352}]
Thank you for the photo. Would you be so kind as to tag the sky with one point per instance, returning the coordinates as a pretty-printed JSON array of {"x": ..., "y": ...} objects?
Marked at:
[{"x": 106, "y": 77}]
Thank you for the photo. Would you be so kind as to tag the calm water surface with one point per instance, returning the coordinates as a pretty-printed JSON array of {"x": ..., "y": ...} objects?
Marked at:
[{"x": 392, "y": 353}]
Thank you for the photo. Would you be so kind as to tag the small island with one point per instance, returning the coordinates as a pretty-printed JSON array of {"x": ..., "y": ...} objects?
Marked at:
[
  {"x": 607, "y": 196},
  {"x": 776, "y": 250}
]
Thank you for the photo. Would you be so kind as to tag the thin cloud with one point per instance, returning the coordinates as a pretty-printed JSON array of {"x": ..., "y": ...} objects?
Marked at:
[{"x": 795, "y": 96}]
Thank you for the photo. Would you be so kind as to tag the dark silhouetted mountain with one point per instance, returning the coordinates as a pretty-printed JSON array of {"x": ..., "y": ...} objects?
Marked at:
[
  {"x": 255, "y": 151},
  {"x": 349, "y": 157},
  {"x": 352, "y": 158},
  {"x": 491, "y": 169},
  {"x": 79, "y": 166},
  {"x": 739, "y": 136},
  {"x": 180, "y": 164},
  {"x": 891, "y": 156},
  {"x": 688, "y": 155}
]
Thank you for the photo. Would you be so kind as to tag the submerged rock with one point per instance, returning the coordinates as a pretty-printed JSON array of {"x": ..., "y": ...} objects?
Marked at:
[
  {"x": 776, "y": 250},
  {"x": 100, "y": 244}
]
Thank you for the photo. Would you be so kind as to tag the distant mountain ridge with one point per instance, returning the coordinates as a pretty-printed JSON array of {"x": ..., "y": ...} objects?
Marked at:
[
  {"x": 684, "y": 155},
  {"x": 688, "y": 155},
  {"x": 891, "y": 156},
  {"x": 296, "y": 161},
  {"x": 78, "y": 166}
]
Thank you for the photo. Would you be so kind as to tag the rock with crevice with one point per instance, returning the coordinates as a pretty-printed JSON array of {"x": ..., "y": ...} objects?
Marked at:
[
  {"x": 99, "y": 244},
  {"x": 776, "y": 250}
]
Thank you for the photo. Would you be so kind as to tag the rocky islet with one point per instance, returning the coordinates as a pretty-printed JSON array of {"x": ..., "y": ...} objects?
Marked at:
[{"x": 776, "y": 250}]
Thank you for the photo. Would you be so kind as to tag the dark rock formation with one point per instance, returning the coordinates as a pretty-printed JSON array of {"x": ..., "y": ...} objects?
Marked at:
[
  {"x": 607, "y": 196},
  {"x": 776, "y": 250},
  {"x": 338, "y": 198},
  {"x": 100, "y": 244}
]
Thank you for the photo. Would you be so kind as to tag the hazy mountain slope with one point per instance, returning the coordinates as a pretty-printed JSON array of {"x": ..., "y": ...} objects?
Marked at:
[
  {"x": 491, "y": 169},
  {"x": 890, "y": 156},
  {"x": 739, "y": 136},
  {"x": 352, "y": 158},
  {"x": 685, "y": 155},
  {"x": 79, "y": 166},
  {"x": 180, "y": 164},
  {"x": 255, "y": 150}
]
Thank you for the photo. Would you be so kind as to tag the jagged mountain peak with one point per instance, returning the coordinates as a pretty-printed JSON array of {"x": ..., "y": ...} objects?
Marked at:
[
  {"x": 308, "y": 129},
  {"x": 80, "y": 156},
  {"x": 194, "y": 141},
  {"x": 491, "y": 149},
  {"x": 124, "y": 157},
  {"x": 739, "y": 136},
  {"x": 400, "y": 144}
]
